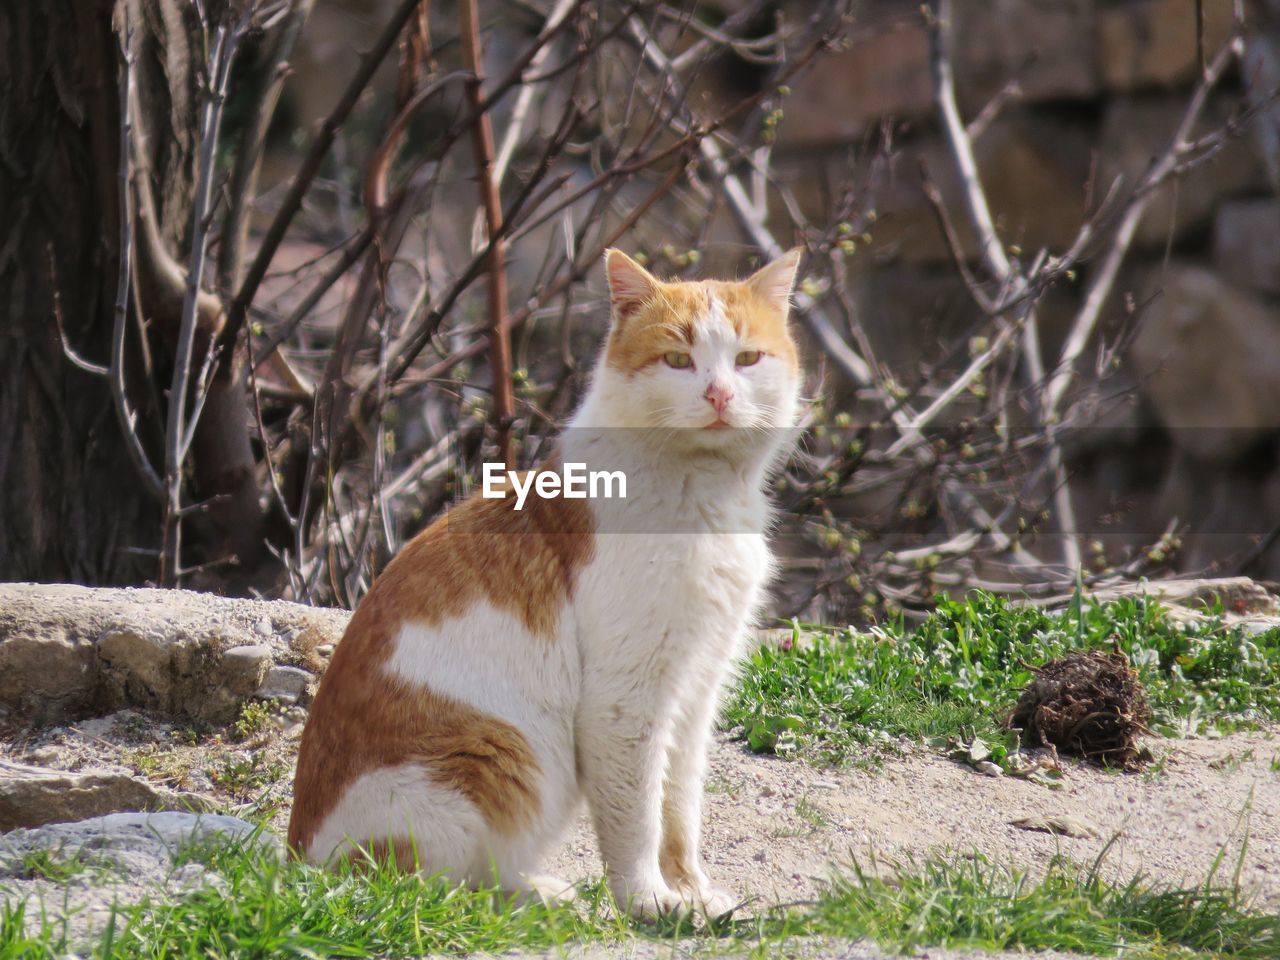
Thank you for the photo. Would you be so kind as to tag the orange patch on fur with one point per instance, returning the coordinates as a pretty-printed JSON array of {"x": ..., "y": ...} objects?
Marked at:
[
  {"x": 661, "y": 323},
  {"x": 673, "y": 855},
  {"x": 364, "y": 718},
  {"x": 758, "y": 321},
  {"x": 665, "y": 321}
]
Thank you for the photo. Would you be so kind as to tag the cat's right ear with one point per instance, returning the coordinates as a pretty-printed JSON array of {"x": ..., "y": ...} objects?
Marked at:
[{"x": 630, "y": 285}]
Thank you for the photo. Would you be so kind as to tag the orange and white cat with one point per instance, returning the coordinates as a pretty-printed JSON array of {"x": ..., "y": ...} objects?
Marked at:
[{"x": 510, "y": 663}]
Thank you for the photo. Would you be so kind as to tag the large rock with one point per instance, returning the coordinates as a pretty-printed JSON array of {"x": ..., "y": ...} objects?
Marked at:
[
  {"x": 31, "y": 796},
  {"x": 1246, "y": 243},
  {"x": 882, "y": 68},
  {"x": 1145, "y": 43},
  {"x": 1136, "y": 129},
  {"x": 68, "y": 652},
  {"x": 1047, "y": 47},
  {"x": 1033, "y": 167},
  {"x": 111, "y": 861},
  {"x": 1206, "y": 355}
]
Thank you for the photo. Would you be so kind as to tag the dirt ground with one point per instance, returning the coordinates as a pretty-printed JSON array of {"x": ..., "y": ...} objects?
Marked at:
[{"x": 775, "y": 829}]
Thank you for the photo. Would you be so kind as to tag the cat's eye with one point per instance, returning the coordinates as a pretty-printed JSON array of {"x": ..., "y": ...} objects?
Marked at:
[
  {"x": 677, "y": 360},
  {"x": 748, "y": 358}
]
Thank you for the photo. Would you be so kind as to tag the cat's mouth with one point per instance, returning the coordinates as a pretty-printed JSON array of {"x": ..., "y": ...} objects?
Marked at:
[{"x": 718, "y": 424}]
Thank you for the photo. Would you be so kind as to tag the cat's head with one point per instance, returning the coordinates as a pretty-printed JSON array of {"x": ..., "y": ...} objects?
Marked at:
[{"x": 703, "y": 356}]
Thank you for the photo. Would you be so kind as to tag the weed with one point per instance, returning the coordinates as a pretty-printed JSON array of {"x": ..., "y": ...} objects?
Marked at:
[
  {"x": 156, "y": 763},
  {"x": 255, "y": 719},
  {"x": 244, "y": 776},
  {"x": 47, "y": 865}
]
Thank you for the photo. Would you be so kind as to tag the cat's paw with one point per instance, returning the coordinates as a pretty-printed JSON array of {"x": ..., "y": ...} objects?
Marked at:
[
  {"x": 713, "y": 902},
  {"x": 547, "y": 889},
  {"x": 654, "y": 902}
]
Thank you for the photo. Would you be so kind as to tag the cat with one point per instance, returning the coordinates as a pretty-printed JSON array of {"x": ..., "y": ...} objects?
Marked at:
[{"x": 509, "y": 664}]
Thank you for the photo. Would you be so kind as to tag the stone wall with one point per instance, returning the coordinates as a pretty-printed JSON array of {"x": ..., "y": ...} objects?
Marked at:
[{"x": 1196, "y": 314}]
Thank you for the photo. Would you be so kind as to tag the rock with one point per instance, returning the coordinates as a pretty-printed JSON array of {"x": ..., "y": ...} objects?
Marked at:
[
  {"x": 113, "y": 860},
  {"x": 245, "y": 668},
  {"x": 287, "y": 684},
  {"x": 1134, "y": 129},
  {"x": 883, "y": 68},
  {"x": 31, "y": 796},
  {"x": 1253, "y": 626},
  {"x": 1047, "y": 47},
  {"x": 1206, "y": 355},
  {"x": 68, "y": 652},
  {"x": 1246, "y": 243},
  {"x": 1153, "y": 42},
  {"x": 883, "y": 71},
  {"x": 1033, "y": 167},
  {"x": 1238, "y": 595},
  {"x": 1065, "y": 826}
]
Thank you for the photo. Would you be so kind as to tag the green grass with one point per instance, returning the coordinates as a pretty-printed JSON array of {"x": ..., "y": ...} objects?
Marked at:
[
  {"x": 254, "y": 720},
  {"x": 273, "y": 909},
  {"x": 977, "y": 904},
  {"x": 48, "y": 865},
  {"x": 840, "y": 692}
]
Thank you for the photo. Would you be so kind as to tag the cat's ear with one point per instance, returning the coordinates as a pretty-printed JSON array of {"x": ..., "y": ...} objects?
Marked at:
[
  {"x": 775, "y": 281},
  {"x": 630, "y": 284}
]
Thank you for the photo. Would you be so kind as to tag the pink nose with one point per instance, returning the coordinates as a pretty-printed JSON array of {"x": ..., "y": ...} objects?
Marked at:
[{"x": 718, "y": 396}]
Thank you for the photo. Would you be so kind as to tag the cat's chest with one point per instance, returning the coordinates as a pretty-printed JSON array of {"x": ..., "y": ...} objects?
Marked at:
[{"x": 645, "y": 595}]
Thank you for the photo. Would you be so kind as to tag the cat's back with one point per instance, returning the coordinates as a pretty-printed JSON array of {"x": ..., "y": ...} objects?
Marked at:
[{"x": 446, "y": 681}]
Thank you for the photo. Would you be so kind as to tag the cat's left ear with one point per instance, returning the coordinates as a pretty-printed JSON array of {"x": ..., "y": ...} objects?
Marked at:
[{"x": 775, "y": 281}]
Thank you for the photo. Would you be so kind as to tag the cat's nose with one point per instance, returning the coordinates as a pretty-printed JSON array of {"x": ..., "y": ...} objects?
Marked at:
[{"x": 718, "y": 396}]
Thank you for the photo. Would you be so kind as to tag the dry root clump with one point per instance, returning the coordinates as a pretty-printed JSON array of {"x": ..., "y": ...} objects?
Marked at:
[{"x": 1087, "y": 704}]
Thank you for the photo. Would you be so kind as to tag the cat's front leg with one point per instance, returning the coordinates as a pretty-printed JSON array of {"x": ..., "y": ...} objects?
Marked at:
[
  {"x": 679, "y": 856},
  {"x": 621, "y": 748}
]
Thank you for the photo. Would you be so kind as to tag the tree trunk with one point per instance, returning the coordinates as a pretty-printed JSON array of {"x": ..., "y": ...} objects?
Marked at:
[{"x": 71, "y": 505}]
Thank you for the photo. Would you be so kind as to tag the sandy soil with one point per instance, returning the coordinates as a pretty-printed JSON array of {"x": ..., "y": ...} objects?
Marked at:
[{"x": 775, "y": 829}]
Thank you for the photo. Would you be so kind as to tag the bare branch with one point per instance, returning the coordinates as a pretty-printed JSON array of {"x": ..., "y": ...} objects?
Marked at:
[
  {"x": 244, "y": 176},
  {"x": 482, "y": 141},
  {"x": 127, "y": 417},
  {"x": 1103, "y": 277},
  {"x": 177, "y": 430},
  {"x": 310, "y": 166}
]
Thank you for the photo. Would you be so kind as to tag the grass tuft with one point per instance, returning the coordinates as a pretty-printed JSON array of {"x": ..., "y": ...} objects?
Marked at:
[
  {"x": 975, "y": 903},
  {"x": 272, "y": 909}
]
